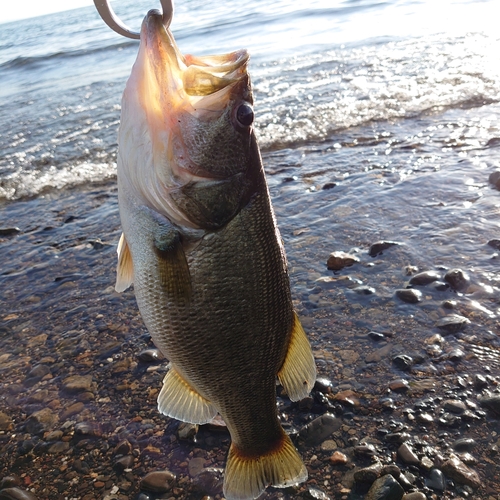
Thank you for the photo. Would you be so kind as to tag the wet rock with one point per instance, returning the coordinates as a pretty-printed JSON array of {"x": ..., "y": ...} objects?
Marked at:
[
  {"x": 16, "y": 494},
  {"x": 38, "y": 371},
  {"x": 415, "y": 495},
  {"x": 453, "y": 323},
  {"x": 449, "y": 304},
  {"x": 150, "y": 356},
  {"x": 40, "y": 421},
  {"x": 464, "y": 444},
  {"x": 9, "y": 482},
  {"x": 338, "y": 458},
  {"x": 494, "y": 244},
  {"x": 456, "y": 355},
  {"x": 77, "y": 383},
  {"x": 187, "y": 430},
  {"x": 368, "y": 474},
  {"x": 407, "y": 455},
  {"x": 38, "y": 340},
  {"x": 347, "y": 398},
  {"x": 339, "y": 260},
  {"x": 441, "y": 286},
  {"x": 329, "y": 185},
  {"x": 425, "y": 418},
  {"x": 121, "y": 366},
  {"x": 81, "y": 466},
  {"x": 123, "y": 463},
  {"x": 397, "y": 437},
  {"x": 491, "y": 402},
  {"x": 315, "y": 432},
  {"x": 391, "y": 469},
  {"x": 494, "y": 178},
  {"x": 403, "y": 362},
  {"x": 426, "y": 463},
  {"x": 329, "y": 445},
  {"x": 409, "y": 295},
  {"x": 425, "y": 278},
  {"x": 378, "y": 247},
  {"x": 436, "y": 480},
  {"x": 316, "y": 494},
  {"x": 385, "y": 488},
  {"x": 88, "y": 429},
  {"x": 9, "y": 231},
  {"x": 480, "y": 381},
  {"x": 323, "y": 385},
  {"x": 123, "y": 448},
  {"x": 58, "y": 447},
  {"x": 210, "y": 481},
  {"x": 455, "y": 469},
  {"x": 455, "y": 406},
  {"x": 399, "y": 385},
  {"x": 159, "y": 481},
  {"x": 458, "y": 280},
  {"x": 195, "y": 466},
  {"x": 364, "y": 290},
  {"x": 71, "y": 410},
  {"x": 54, "y": 436},
  {"x": 364, "y": 450},
  {"x": 377, "y": 336},
  {"x": 6, "y": 423}
]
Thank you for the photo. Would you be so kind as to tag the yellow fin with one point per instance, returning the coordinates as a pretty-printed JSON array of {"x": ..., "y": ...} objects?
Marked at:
[
  {"x": 298, "y": 373},
  {"x": 179, "y": 400},
  {"x": 125, "y": 268},
  {"x": 246, "y": 477}
]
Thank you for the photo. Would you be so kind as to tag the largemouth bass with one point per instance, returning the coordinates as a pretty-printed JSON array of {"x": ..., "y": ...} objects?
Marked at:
[{"x": 201, "y": 245}]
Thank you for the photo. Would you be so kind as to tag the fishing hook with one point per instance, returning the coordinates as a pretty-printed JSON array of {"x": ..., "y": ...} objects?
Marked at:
[{"x": 110, "y": 18}]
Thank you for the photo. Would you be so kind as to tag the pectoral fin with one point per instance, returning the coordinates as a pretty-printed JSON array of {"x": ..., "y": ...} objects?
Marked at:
[
  {"x": 125, "y": 268},
  {"x": 298, "y": 373},
  {"x": 172, "y": 263},
  {"x": 179, "y": 400}
]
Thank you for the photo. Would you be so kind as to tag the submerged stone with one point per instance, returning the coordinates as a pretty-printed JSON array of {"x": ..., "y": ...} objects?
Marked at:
[
  {"x": 158, "y": 481},
  {"x": 385, "y": 488},
  {"x": 453, "y": 323},
  {"x": 378, "y": 247},
  {"x": 315, "y": 432},
  {"x": 425, "y": 278}
]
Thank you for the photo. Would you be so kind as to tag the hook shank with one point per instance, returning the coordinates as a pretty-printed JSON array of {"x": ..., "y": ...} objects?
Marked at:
[{"x": 111, "y": 19}]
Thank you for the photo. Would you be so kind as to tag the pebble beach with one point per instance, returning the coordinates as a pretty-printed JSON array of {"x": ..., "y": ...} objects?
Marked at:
[{"x": 382, "y": 155}]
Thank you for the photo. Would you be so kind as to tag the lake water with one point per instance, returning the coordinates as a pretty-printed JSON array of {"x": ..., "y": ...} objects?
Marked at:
[
  {"x": 377, "y": 121},
  {"x": 317, "y": 69}
]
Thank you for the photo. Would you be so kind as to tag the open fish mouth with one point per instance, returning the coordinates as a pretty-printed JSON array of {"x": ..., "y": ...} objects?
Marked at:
[{"x": 197, "y": 84}]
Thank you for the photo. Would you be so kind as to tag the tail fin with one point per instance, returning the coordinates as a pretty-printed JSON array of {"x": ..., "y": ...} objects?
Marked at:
[{"x": 247, "y": 477}]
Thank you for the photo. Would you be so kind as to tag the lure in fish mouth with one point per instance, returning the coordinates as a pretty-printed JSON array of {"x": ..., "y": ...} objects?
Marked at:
[{"x": 201, "y": 245}]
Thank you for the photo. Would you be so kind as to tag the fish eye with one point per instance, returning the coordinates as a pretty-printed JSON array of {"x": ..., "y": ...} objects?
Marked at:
[{"x": 245, "y": 115}]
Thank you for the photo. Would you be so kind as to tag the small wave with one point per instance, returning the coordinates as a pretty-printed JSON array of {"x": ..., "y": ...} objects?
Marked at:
[
  {"x": 26, "y": 62},
  {"x": 27, "y": 184},
  {"x": 310, "y": 98}
]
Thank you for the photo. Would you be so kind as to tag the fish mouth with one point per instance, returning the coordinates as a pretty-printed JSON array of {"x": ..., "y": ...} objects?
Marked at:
[{"x": 196, "y": 84}]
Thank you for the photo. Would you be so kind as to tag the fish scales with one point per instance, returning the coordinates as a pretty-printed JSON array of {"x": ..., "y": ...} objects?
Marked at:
[{"x": 201, "y": 245}]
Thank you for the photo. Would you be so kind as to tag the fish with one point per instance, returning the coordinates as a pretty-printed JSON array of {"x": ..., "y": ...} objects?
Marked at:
[{"x": 201, "y": 246}]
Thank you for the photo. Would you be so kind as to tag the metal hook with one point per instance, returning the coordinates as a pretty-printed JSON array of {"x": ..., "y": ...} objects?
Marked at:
[{"x": 110, "y": 18}]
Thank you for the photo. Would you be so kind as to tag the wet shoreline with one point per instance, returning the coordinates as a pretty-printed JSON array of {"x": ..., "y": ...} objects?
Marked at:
[{"x": 407, "y": 393}]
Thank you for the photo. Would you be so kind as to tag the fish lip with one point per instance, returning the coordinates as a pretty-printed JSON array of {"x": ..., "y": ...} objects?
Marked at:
[{"x": 193, "y": 77}]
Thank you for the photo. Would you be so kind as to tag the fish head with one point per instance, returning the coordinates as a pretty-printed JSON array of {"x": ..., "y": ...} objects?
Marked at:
[{"x": 187, "y": 146}]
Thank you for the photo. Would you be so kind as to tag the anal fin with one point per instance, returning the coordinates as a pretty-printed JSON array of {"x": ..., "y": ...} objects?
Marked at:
[
  {"x": 298, "y": 373},
  {"x": 125, "y": 267},
  {"x": 247, "y": 477},
  {"x": 177, "y": 399}
]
